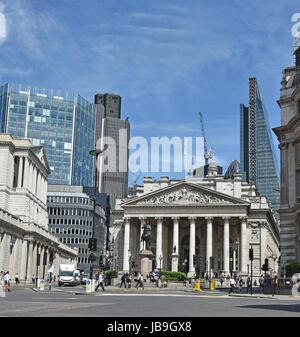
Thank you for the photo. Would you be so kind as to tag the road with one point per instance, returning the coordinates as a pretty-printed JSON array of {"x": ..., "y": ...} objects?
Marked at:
[{"x": 72, "y": 302}]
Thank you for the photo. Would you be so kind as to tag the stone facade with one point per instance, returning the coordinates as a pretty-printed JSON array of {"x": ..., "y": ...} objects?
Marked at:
[
  {"x": 24, "y": 235},
  {"x": 208, "y": 216},
  {"x": 289, "y": 138}
]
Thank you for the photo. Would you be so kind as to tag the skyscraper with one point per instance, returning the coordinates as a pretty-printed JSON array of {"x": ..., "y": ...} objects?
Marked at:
[
  {"x": 112, "y": 104},
  {"x": 61, "y": 121},
  {"x": 258, "y": 162},
  {"x": 113, "y": 166}
]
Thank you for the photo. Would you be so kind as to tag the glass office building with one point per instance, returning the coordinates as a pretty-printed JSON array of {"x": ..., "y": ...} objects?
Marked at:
[
  {"x": 61, "y": 121},
  {"x": 259, "y": 165}
]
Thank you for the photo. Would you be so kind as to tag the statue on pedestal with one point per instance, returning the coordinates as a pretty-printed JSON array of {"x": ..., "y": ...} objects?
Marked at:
[{"x": 147, "y": 235}]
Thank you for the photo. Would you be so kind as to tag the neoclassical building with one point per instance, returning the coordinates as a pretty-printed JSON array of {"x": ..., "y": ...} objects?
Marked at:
[
  {"x": 289, "y": 138},
  {"x": 209, "y": 216},
  {"x": 26, "y": 246}
]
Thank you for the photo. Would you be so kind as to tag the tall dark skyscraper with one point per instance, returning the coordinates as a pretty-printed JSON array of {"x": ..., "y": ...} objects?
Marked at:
[
  {"x": 61, "y": 121},
  {"x": 112, "y": 104},
  {"x": 113, "y": 166},
  {"x": 258, "y": 162}
]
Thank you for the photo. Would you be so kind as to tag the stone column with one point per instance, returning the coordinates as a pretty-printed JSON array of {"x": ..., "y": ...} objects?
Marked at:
[
  {"x": 26, "y": 173},
  {"x": 142, "y": 223},
  {"x": 192, "y": 245},
  {"x": 209, "y": 221},
  {"x": 29, "y": 265},
  {"x": 159, "y": 221},
  {"x": 33, "y": 179},
  {"x": 34, "y": 258},
  {"x": 226, "y": 267},
  {"x": 4, "y": 252},
  {"x": 20, "y": 171},
  {"x": 243, "y": 248},
  {"x": 24, "y": 261},
  {"x": 126, "y": 245},
  {"x": 175, "y": 248},
  {"x": 38, "y": 187},
  {"x": 284, "y": 175}
]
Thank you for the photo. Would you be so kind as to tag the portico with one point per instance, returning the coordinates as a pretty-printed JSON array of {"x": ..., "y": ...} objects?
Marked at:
[{"x": 188, "y": 219}]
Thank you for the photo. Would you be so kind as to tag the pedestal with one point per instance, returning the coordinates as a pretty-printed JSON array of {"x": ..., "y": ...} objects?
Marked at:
[
  {"x": 146, "y": 257},
  {"x": 175, "y": 262}
]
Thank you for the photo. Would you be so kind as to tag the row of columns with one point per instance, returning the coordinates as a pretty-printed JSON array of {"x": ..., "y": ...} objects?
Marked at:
[
  {"x": 192, "y": 242},
  {"x": 22, "y": 256},
  {"x": 30, "y": 177}
]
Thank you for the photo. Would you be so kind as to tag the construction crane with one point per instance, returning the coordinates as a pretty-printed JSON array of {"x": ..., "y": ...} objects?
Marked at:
[{"x": 208, "y": 154}]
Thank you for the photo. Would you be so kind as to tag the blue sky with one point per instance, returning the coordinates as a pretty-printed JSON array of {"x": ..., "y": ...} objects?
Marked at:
[{"x": 168, "y": 59}]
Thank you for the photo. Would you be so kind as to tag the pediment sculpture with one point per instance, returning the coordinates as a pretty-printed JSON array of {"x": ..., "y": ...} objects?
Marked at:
[{"x": 183, "y": 195}]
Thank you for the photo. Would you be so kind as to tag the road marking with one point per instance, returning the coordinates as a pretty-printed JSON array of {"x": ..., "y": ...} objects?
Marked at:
[{"x": 161, "y": 295}]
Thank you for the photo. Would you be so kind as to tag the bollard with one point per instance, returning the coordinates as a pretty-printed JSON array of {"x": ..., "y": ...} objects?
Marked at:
[
  {"x": 197, "y": 286},
  {"x": 212, "y": 285}
]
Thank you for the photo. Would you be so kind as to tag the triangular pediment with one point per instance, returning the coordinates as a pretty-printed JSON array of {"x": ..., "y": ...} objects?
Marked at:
[
  {"x": 184, "y": 193},
  {"x": 41, "y": 155}
]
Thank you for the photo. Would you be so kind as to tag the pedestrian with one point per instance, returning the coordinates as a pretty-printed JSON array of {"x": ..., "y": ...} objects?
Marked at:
[
  {"x": 140, "y": 281},
  {"x": 249, "y": 284},
  {"x": 100, "y": 282},
  {"x": 232, "y": 283},
  {"x": 33, "y": 279},
  {"x": 123, "y": 280},
  {"x": 261, "y": 284},
  {"x": 162, "y": 281},
  {"x": 129, "y": 281},
  {"x": 7, "y": 281},
  {"x": 17, "y": 278},
  {"x": 221, "y": 280},
  {"x": 241, "y": 282}
]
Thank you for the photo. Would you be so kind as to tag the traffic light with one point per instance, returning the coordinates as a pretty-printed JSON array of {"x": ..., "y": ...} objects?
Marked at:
[
  {"x": 92, "y": 257},
  {"x": 93, "y": 244},
  {"x": 251, "y": 254},
  {"x": 212, "y": 262},
  {"x": 266, "y": 264},
  {"x": 194, "y": 260},
  {"x": 51, "y": 256}
]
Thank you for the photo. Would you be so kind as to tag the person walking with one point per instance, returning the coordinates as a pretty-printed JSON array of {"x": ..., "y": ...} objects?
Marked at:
[
  {"x": 140, "y": 281},
  {"x": 261, "y": 284},
  {"x": 33, "y": 279},
  {"x": 232, "y": 283},
  {"x": 123, "y": 280},
  {"x": 241, "y": 282},
  {"x": 7, "y": 281},
  {"x": 17, "y": 279},
  {"x": 249, "y": 284},
  {"x": 100, "y": 282}
]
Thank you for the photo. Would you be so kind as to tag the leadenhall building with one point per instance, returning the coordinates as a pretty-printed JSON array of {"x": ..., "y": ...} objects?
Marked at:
[{"x": 208, "y": 215}]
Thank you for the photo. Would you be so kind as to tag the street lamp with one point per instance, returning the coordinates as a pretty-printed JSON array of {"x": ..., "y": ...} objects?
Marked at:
[
  {"x": 160, "y": 260},
  {"x": 95, "y": 153}
]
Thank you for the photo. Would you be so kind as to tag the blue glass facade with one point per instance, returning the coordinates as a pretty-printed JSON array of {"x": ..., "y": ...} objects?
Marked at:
[
  {"x": 59, "y": 120},
  {"x": 258, "y": 162}
]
